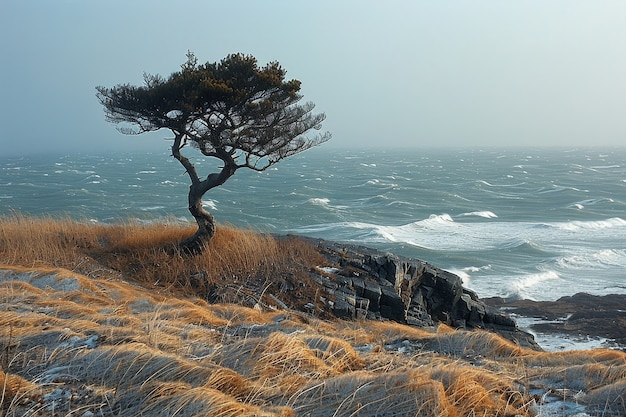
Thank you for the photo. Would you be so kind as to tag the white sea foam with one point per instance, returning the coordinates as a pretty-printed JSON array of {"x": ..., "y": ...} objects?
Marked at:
[
  {"x": 461, "y": 273},
  {"x": 319, "y": 201},
  {"x": 598, "y": 259},
  {"x": 486, "y": 214},
  {"x": 466, "y": 273},
  {"x": 533, "y": 285},
  {"x": 211, "y": 204},
  {"x": 437, "y": 219},
  {"x": 325, "y": 203},
  {"x": 615, "y": 222}
]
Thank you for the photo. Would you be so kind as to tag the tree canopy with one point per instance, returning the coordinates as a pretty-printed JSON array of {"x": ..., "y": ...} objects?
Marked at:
[{"x": 244, "y": 115}]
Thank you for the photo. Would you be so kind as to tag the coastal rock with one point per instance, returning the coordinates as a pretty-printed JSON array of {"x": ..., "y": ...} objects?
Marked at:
[
  {"x": 383, "y": 286},
  {"x": 577, "y": 315}
]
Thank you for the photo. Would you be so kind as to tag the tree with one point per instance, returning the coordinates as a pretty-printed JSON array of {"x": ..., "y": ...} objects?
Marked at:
[{"x": 244, "y": 115}]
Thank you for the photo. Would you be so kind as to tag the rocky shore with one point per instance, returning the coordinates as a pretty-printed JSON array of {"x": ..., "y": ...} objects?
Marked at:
[
  {"x": 580, "y": 316},
  {"x": 374, "y": 285}
]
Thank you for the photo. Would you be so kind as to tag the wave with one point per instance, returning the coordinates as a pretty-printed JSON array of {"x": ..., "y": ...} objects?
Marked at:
[
  {"x": 325, "y": 203},
  {"x": 466, "y": 273},
  {"x": 594, "y": 201},
  {"x": 488, "y": 184},
  {"x": 599, "y": 259},
  {"x": 151, "y": 208},
  {"x": 441, "y": 232},
  {"x": 211, "y": 204},
  {"x": 614, "y": 222},
  {"x": 486, "y": 214},
  {"x": 605, "y": 166},
  {"x": 529, "y": 286},
  {"x": 319, "y": 201}
]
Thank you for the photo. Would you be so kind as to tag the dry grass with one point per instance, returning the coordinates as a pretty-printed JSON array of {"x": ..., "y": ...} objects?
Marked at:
[
  {"x": 236, "y": 261},
  {"x": 78, "y": 336}
]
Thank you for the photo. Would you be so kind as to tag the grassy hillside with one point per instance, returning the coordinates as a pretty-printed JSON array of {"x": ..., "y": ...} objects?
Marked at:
[{"x": 102, "y": 320}]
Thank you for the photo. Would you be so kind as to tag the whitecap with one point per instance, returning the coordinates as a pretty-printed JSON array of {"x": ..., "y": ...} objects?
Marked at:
[
  {"x": 524, "y": 286},
  {"x": 598, "y": 259},
  {"x": 477, "y": 268},
  {"x": 606, "y": 166},
  {"x": 461, "y": 198},
  {"x": 319, "y": 201},
  {"x": 461, "y": 273},
  {"x": 437, "y": 219},
  {"x": 152, "y": 208},
  {"x": 210, "y": 204},
  {"x": 486, "y": 214},
  {"x": 593, "y": 225}
]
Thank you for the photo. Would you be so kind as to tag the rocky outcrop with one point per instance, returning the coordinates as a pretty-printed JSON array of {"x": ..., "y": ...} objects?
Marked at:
[
  {"x": 370, "y": 284},
  {"x": 579, "y": 315}
]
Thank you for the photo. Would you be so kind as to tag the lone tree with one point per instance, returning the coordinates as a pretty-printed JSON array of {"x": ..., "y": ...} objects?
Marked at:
[{"x": 244, "y": 115}]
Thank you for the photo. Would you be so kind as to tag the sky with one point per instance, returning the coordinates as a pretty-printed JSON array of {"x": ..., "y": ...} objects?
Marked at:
[{"x": 397, "y": 73}]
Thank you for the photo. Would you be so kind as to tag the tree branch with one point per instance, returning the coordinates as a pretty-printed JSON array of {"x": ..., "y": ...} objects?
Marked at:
[{"x": 189, "y": 167}]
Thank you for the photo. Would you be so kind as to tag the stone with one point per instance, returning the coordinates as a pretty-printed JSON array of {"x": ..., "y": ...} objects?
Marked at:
[{"x": 377, "y": 285}]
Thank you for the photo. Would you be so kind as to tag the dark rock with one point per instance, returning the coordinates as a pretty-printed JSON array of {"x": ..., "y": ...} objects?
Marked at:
[
  {"x": 579, "y": 315},
  {"x": 379, "y": 285}
]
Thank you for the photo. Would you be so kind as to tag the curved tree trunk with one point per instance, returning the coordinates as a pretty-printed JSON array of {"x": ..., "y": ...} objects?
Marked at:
[{"x": 205, "y": 220}]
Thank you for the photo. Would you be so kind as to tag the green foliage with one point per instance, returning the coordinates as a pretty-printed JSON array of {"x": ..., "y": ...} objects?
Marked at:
[{"x": 232, "y": 107}]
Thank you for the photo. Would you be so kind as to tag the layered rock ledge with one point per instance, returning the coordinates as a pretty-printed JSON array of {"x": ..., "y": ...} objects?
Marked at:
[{"x": 370, "y": 284}]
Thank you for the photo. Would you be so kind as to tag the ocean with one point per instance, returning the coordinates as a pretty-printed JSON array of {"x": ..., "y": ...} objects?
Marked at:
[{"x": 517, "y": 223}]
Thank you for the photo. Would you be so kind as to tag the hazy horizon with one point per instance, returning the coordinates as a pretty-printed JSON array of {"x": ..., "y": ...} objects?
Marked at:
[{"x": 398, "y": 74}]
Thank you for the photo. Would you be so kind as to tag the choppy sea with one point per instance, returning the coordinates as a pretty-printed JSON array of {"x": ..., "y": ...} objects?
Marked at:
[{"x": 519, "y": 223}]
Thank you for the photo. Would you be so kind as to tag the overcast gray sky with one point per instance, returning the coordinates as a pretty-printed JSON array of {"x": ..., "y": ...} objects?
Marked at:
[{"x": 403, "y": 73}]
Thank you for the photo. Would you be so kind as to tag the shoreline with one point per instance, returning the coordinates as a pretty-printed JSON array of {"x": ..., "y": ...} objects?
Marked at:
[{"x": 580, "y": 321}]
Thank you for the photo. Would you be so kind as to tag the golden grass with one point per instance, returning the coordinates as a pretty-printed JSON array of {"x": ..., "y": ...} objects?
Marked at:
[
  {"x": 79, "y": 334},
  {"x": 236, "y": 260}
]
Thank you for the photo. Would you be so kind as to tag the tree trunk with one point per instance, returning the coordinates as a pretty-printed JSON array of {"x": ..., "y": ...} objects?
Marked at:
[{"x": 205, "y": 220}]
